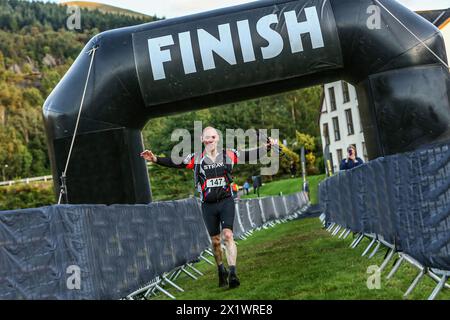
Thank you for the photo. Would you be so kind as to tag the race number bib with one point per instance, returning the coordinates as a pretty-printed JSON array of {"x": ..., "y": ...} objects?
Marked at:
[{"x": 215, "y": 182}]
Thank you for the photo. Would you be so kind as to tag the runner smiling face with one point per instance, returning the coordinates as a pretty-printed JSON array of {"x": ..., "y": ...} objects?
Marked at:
[{"x": 210, "y": 138}]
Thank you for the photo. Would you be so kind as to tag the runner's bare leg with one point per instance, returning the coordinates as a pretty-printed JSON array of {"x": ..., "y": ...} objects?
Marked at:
[
  {"x": 231, "y": 246},
  {"x": 217, "y": 249}
]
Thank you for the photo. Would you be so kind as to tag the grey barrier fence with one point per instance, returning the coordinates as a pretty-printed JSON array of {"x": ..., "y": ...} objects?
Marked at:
[
  {"x": 402, "y": 201},
  {"x": 252, "y": 214},
  {"x": 112, "y": 249}
]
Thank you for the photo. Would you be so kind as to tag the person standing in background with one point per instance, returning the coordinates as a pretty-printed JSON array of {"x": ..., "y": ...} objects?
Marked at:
[
  {"x": 256, "y": 184},
  {"x": 293, "y": 169},
  {"x": 352, "y": 160},
  {"x": 246, "y": 187}
]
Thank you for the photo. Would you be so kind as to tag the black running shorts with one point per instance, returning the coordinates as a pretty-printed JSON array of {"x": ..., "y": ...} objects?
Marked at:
[{"x": 216, "y": 214}]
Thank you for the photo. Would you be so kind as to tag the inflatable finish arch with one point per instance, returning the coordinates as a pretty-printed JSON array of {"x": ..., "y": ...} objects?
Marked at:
[{"x": 237, "y": 53}]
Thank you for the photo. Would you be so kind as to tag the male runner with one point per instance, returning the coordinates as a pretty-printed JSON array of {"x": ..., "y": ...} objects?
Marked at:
[{"x": 212, "y": 174}]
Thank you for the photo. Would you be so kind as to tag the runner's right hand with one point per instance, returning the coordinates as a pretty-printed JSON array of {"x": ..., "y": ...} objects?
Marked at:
[{"x": 149, "y": 156}]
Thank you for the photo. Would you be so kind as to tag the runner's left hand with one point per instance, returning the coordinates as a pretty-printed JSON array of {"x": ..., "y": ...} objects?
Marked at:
[{"x": 271, "y": 141}]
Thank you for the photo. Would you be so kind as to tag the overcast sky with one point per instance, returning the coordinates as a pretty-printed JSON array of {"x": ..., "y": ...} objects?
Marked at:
[{"x": 175, "y": 8}]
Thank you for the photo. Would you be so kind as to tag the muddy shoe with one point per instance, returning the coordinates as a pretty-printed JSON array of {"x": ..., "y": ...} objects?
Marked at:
[
  {"x": 223, "y": 277},
  {"x": 233, "y": 281}
]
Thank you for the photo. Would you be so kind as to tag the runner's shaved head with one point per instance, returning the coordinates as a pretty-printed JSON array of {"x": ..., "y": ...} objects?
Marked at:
[{"x": 210, "y": 130}]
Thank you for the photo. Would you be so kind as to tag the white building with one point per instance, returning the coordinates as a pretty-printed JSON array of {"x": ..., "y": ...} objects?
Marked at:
[
  {"x": 339, "y": 120},
  {"x": 340, "y": 123}
]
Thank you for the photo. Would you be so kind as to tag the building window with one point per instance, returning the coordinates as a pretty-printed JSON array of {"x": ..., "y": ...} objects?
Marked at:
[
  {"x": 348, "y": 116},
  {"x": 324, "y": 105},
  {"x": 326, "y": 134},
  {"x": 337, "y": 134},
  {"x": 332, "y": 98},
  {"x": 339, "y": 155},
  {"x": 345, "y": 92}
]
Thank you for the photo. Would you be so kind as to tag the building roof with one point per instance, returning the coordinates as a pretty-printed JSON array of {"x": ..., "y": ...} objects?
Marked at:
[{"x": 437, "y": 17}]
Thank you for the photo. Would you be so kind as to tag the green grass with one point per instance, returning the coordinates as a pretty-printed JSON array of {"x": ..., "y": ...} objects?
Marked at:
[
  {"x": 300, "y": 260},
  {"x": 289, "y": 186}
]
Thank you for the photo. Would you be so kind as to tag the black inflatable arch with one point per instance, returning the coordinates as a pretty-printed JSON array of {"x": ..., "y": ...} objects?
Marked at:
[{"x": 232, "y": 54}]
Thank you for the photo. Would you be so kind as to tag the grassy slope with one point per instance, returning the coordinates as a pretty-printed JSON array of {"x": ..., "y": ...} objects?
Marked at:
[
  {"x": 300, "y": 260},
  {"x": 288, "y": 186}
]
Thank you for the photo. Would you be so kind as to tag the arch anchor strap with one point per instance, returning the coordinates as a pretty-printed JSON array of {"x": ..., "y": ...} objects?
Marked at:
[{"x": 63, "y": 189}]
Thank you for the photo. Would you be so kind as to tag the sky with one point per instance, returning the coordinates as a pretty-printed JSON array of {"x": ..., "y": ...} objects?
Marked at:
[{"x": 175, "y": 8}]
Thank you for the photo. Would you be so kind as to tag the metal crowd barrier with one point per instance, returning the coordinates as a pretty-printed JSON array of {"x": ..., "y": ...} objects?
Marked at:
[
  {"x": 104, "y": 252},
  {"x": 401, "y": 202}
]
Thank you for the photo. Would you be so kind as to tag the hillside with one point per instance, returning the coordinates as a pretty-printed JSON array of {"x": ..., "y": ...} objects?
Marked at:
[
  {"x": 104, "y": 8},
  {"x": 36, "y": 50}
]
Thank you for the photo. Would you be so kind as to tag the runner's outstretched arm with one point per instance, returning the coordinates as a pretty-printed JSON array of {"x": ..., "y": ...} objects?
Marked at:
[
  {"x": 187, "y": 163},
  {"x": 167, "y": 162},
  {"x": 256, "y": 153}
]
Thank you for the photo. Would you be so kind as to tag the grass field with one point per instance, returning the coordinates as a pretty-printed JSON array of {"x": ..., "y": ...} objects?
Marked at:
[
  {"x": 300, "y": 260},
  {"x": 289, "y": 186}
]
